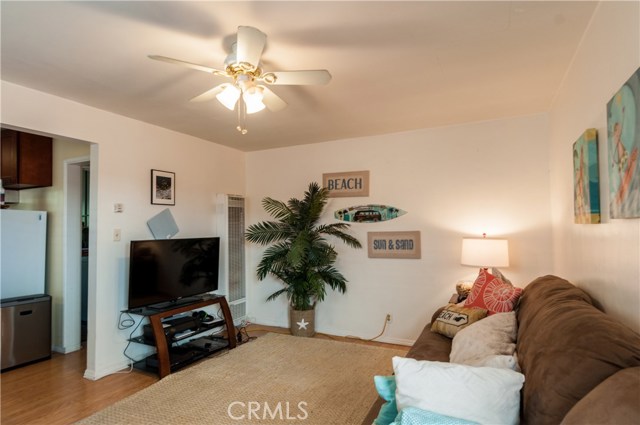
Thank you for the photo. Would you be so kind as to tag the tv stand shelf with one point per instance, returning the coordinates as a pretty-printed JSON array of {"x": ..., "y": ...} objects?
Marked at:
[
  {"x": 170, "y": 358},
  {"x": 179, "y": 337}
]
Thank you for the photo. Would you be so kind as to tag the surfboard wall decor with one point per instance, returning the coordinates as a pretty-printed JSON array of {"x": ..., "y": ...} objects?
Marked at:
[{"x": 371, "y": 213}]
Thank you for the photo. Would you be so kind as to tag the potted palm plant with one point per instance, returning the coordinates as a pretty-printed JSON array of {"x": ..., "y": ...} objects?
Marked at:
[{"x": 299, "y": 254}]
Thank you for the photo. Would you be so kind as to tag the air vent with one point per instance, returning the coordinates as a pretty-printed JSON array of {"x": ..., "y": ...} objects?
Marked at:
[{"x": 232, "y": 259}]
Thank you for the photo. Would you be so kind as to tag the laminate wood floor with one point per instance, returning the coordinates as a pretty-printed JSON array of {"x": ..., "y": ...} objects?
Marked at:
[{"x": 54, "y": 391}]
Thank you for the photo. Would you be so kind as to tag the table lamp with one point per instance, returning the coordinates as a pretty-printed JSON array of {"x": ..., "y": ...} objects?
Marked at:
[{"x": 485, "y": 253}]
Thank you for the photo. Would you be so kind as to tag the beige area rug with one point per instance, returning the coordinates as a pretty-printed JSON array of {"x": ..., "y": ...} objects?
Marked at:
[{"x": 274, "y": 379}]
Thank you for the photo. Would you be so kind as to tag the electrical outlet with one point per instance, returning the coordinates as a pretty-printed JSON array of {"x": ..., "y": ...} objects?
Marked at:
[
  {"x": 117, "y": 234},
  {"x": 388, "y": 317}
]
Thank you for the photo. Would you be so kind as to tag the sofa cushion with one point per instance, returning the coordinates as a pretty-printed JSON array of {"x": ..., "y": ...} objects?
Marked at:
[
  {"x": 566, "y": 347},
  {"x": 386, "y": 387},
  {"x": 415, "y": 416},
  {"x": 479, "y": 394},
  {"x": 430, "y": 346},
  {"x": 491, "y": 293},
  {"x": 615, "y": 401},
  {"x": 497, "y": 273},
  {"x": 489, "y": 342},
  {"x": 454, "y": 318}
]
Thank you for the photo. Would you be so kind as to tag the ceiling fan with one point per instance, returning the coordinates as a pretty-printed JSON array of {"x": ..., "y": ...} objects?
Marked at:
[{"x": 248, "y": 91}]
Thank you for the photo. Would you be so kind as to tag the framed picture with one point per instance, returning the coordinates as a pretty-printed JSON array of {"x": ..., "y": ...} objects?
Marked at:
[
  {"x": 623, "y": 127},
  {"x": 163, "y": 187},
  {"x": 586, "y": 180}
]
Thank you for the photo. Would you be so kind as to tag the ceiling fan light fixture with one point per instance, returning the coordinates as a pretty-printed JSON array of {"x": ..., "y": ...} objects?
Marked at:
[
  {"x": 244, "y": 67},
  {"x": 253, "y": 99},
  {"x": 229, "y": 96}
]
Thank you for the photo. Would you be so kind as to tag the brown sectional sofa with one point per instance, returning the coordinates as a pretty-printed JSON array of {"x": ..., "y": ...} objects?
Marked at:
[{"x": 580, "y": 365}]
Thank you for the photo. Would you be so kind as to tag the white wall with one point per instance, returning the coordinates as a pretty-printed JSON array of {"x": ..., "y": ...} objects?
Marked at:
[
  {"x": 603, "y": 259},
  {"x": 454, "y": 182},
  {"x": 124, "y": 152},
  {"x": 51, "y": 199}
]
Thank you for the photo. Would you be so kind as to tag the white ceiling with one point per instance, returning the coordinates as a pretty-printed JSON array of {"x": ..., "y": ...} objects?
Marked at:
[{"x": 396, "y": 66}]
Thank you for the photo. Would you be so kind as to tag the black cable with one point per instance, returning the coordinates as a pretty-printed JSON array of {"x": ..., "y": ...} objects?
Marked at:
[
  {"x": 126, "y": 323},
  {"x": 130, "y": 335},
  {"x": 240, "y": 330},
  {"x": 249, "y": 338}
]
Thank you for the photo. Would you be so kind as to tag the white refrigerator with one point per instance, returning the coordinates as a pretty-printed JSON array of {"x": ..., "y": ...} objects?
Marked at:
[
  {"x": 25, "y": 310},
  {"x": 23, "y": 247}
]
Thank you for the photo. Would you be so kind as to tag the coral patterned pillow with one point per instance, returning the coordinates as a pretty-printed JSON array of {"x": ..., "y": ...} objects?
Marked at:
[{"x": 491, "y": 293}]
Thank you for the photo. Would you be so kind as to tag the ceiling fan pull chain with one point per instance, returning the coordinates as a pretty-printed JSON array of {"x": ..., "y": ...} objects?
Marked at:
[{"x": 242, "y": 116}]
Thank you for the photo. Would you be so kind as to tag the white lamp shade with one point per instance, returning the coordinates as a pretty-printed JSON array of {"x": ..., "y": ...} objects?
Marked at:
[
  {"x": 485, "y": 252},
  {"x": 229, "y": 96},
  {"x": 253, "y": 99}
]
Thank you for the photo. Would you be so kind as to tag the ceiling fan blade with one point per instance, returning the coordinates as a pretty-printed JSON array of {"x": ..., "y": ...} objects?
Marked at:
[
  {"x": 187, "y": 64},
  {"x": 250, "y": 44},
  {"x": 209, "y": 94},
  {"x": 298, "y": 78},
  {"x": 272, "y": 101}
]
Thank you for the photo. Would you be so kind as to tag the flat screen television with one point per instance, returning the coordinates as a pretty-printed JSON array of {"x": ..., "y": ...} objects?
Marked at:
[{"x": 163, "y": 272}]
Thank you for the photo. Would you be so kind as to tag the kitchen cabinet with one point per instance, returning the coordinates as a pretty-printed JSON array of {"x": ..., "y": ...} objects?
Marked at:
[{"x": 25, "y": 160}]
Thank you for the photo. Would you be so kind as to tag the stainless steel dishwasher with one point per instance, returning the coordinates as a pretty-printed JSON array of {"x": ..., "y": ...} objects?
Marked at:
[{"x": 26, "y": 330}]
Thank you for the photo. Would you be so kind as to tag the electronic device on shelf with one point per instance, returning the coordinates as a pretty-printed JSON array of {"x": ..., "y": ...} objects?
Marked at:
[
  {"x": 177, "y": 357},
  {"x": 203, "y": 316},
  {"x": 179, "y": 328},
  {"x": 166, "y": 272},
  {"x": 171, "y": 331},
  {"x": 207, "y": 344}
]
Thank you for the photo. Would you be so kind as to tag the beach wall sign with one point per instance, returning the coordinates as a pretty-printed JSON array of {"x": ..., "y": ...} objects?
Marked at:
[
  {"x": 394, "y": 244},
  {"x": 347, "y": 184}
]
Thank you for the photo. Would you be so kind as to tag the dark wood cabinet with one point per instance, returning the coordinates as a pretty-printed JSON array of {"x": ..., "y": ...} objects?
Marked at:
[{"x": 25, "y": 160}]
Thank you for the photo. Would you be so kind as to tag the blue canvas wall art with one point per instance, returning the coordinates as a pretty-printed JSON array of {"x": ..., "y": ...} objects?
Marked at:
[
  {"x": 623, "y": 126},
  {"x": 586, "y": 180}
]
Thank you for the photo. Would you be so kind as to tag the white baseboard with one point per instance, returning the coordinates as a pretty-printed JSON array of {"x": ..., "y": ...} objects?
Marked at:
[
  {"x": 65, "y": 350},
  {"x": 397, "y": 341},
  {"x": 94, "y": 375},
  {"x": 270, "y": 323},
  {"x": 342, "y": 332}
]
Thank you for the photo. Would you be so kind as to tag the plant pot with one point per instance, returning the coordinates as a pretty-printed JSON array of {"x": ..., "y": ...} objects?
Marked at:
[{"x": 302, "y": 322}]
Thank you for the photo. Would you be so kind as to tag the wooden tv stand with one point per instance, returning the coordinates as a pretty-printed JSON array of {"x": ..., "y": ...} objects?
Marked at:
[{"x": 163, "y": 346}]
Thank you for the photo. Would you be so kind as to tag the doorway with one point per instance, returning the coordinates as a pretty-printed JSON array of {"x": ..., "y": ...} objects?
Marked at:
[
  {"x": 75, "y": 255},
  {"x": 84, "y": 259}
]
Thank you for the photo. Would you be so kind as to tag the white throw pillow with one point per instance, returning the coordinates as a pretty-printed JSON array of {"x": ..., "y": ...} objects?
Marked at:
[
  {"x": 481, "y": 394},
  {"x": 488, "y": 342}
]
